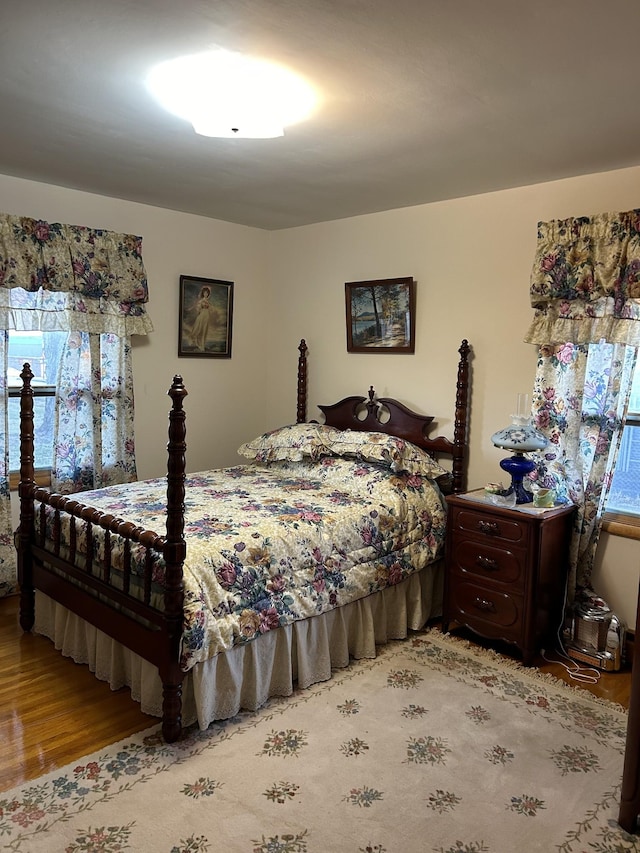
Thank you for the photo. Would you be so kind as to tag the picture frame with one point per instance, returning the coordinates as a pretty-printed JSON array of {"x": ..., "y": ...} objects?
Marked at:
[
  {"x": 381, "y": 315},
  {"x": 205, "y": 317}
]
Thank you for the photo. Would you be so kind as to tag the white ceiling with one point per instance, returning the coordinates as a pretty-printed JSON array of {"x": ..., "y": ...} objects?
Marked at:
[{"x": 422, "y": 100}]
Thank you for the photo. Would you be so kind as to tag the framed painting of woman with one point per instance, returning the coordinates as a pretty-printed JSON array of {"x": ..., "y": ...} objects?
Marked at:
[{"x": 205, "y": 317}]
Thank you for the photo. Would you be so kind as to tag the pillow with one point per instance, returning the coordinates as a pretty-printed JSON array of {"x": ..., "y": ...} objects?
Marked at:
[
  {"x": 292, "y": 443},
  {"x": 395, "y": 453}
]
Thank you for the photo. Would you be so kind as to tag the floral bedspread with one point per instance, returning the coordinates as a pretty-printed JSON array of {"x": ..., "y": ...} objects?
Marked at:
[{"x": 271, "y": 544}]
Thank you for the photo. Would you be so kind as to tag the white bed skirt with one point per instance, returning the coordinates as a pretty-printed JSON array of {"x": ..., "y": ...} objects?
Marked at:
[{"x": 246, "y": 676}]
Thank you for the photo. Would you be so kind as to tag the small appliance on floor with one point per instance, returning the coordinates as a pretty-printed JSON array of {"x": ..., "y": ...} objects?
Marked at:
[{"x": 596, "y": 636}]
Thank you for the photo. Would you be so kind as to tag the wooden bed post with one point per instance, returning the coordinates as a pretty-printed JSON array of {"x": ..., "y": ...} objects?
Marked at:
[
  {"x": 174, "y": 554},
  {"x": 301, "y": 414},
  {"x": 25, "y": 492},
  {"x": 461, "y": 424}
]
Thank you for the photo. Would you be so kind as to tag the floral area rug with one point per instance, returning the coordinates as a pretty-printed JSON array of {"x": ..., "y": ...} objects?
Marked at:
[{"x": 436, "y": 746}]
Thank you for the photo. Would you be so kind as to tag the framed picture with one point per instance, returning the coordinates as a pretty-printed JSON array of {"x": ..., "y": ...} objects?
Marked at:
[
  {"x": 381, "y": 315},
  {"x": 206, "y": 314}
]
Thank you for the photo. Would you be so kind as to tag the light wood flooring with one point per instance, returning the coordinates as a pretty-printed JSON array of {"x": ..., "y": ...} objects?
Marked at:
[{"x": 53, "y": 711}]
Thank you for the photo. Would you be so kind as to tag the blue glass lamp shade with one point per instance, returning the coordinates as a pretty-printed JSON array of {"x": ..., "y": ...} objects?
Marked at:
[{"x": 520, "y": 437}]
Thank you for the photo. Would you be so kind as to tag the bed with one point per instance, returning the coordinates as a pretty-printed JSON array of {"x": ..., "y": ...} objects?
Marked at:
[{"x": 223, "y": 608}]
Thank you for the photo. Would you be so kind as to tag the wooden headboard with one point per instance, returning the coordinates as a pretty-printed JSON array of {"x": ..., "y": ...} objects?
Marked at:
[{"x": 390, "y": 416}]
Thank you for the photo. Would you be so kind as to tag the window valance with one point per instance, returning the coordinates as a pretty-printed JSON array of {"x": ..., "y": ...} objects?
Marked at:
[
  {"x": 95, "y": 277},
  {"x": 585, "y": 282}
]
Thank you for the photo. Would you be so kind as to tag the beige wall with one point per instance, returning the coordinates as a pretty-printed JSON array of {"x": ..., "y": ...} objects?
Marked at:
[
  {"x": 226, "y": 396},
  {"x": 470, "y": 257}
]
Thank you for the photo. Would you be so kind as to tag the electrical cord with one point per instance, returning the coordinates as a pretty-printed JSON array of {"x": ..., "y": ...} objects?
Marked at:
[{"x": 581, "y": 674}]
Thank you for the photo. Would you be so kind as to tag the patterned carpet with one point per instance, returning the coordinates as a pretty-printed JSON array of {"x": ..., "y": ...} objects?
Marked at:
[{"x": 435, "y": 746}]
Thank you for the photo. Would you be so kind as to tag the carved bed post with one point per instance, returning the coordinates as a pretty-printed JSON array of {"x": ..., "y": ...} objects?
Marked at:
[
  {"x": 461, "y": 424},
  {"x": 301, "y": 415},
  {"x": 25, "y": 492},
  {"x": 174, "y": 554}
]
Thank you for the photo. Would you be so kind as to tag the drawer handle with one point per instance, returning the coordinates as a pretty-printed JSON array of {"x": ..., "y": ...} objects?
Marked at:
[
  {"x": 489, "y": 527},
  {"x": 483, "y": 604},
  {"x": 486, "y": 563}
]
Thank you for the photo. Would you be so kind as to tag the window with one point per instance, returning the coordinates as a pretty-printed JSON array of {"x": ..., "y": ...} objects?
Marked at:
[
  {"x": 42, "y": 350},
  {"x": 624, "y": 497}
]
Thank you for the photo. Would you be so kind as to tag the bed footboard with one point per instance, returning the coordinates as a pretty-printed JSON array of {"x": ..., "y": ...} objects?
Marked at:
[{"x": 139, "y": 601}]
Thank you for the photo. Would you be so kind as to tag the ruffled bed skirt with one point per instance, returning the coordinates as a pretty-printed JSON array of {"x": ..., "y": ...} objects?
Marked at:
[{"x": 246, "y": 676}]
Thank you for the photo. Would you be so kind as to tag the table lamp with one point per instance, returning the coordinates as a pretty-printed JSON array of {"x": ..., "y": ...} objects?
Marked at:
[{"x": 520, "y": 437}]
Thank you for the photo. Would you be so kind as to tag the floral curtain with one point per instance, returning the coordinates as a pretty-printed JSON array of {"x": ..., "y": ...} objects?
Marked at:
[
  {"x": 94, "y": 443},
  {"x": 579, "y": 400},
  {"x": 585, "y": 282},
  {"x": 74, "y": 277},
  {"x": 92, "y": 284},
  {"x": 585, "y": 290}
]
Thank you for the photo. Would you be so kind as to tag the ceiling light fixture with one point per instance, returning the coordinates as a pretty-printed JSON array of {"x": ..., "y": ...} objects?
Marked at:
[{"x": 226, "y": 94}]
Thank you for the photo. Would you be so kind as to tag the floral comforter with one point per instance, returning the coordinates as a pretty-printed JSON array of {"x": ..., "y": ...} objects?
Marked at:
[{"x": 271, "y": 544}]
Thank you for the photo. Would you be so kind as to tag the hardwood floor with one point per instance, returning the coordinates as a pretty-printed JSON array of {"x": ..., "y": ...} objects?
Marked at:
[
  {"x": 612, "y": 686},
  {"x": 53, "y": 711}
]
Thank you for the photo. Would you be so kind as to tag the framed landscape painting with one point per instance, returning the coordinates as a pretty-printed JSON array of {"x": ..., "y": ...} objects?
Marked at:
[
  {"x": 206, "y": 314},
  {"x": 381, "y": 315}
]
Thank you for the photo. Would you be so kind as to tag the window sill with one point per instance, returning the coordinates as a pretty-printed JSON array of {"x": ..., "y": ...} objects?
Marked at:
[
  {"x": 626, "y": 526},
  {"x": 42, "y": 478}
]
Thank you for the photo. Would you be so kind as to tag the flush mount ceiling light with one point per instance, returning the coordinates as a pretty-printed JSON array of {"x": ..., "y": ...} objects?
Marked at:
[{"x": 229, "y": 95}]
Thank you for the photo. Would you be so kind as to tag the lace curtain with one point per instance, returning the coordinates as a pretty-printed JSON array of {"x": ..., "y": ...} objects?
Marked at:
[
  {"x": 92, "y": 284},
  {"x": 585, "y": 290}
]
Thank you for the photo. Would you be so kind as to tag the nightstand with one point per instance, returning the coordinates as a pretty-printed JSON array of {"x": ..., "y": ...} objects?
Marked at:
[{"x": 506, "y": 570}]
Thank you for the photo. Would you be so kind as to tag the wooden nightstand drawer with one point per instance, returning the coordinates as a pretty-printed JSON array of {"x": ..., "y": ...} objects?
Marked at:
[
  {"x": 476, "y": 603},
  {"x": 505, "y": 570},
  {"x": 490, "y": 525},
  {"x": 488, "y": 562}
]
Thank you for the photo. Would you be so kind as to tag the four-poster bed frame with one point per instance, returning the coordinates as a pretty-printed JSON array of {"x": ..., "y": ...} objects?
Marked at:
[{"x": 119, "y": 602}]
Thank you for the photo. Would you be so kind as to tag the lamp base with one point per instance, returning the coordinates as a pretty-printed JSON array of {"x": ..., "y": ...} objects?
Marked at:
[{"x": 518, "y": 466}]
